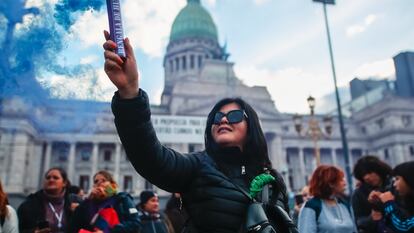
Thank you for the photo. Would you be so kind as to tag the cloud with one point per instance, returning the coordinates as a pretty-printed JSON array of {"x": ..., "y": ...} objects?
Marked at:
[
  {"x": 289, "y": 87},
  {"x": 89, "y": 59},
  {"x": 356, "y": 29},
  {"x": 146, "y": 23},
  {"x": 212, "y": 2},
  {"x": 260, "y": 2},
  {"x": 381, "y": 69}
]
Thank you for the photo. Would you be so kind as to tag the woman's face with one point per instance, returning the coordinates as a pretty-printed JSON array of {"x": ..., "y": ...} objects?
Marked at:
[
  {"x": 54, "y": 183},
  {"x": 372, "y": 179},
  {"x": 340, "y": 187},
  {"x": 100, "y": 181},
  {"x": 226, "y": 134},
  {"x": 401, "y": 186}
]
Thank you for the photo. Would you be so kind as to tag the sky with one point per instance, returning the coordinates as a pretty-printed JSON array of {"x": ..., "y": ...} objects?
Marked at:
[{"x": 278, "y": 44}]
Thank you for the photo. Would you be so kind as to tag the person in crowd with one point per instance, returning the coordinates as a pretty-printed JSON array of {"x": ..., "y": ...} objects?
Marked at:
[
  {"x": 326, "y": 212},
  {"x": 149, "y": 213},
  {"x": 8, "y": 217},
  {"x": 209, "y": 181},
  {"x": 300, "y": 199},
  {"x": 106, "y": 210},
  {"x": 372, "y": 174},
  {"x": 398, "y": 217},
  {"x": 47, "y": 210},
  {"x": 76, "y": 196},
  {"x": 176, "y": 213}
]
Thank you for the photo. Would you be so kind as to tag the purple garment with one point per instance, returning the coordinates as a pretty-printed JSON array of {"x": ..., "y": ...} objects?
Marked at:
[
  {"x": 58, "y": 204},
  {"x": 93, "y": 207}
]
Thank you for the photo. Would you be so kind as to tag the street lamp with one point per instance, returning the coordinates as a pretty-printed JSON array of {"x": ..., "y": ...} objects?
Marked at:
[
  {"x": 338, "y": 102},
  {"x": 313, "y": 130}
]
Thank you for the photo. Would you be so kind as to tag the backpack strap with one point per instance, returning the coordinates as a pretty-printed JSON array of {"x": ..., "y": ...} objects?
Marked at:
[
  {"x": 2, "y": 220},
  {"x": 315, "y": 204}
]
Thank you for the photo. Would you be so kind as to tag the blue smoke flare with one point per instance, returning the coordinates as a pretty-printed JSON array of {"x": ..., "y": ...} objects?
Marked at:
[
  {"x": 32, "y": 48},
  {"x": 66, "y": 10}
]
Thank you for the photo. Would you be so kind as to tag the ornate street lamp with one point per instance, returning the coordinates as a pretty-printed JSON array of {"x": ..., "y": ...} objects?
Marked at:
[
  {"x": 313, "y": 130},
  {"x": 338, "y": 102}
]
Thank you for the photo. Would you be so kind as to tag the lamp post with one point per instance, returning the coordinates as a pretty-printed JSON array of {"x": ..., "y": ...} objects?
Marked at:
[
  {"x": 338, "y": 102},
  {"x": 313, "y": 130}
]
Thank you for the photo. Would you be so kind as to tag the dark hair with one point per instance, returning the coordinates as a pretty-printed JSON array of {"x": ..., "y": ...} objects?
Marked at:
[
  {"x": 108, "y": 176},
  {"x": 368, "y": 164},
  {"x": 62, "y": 173},
  {"x": 255, "y": 144},
  {"x": 3, "y": 203},
  {"x": 323, "y": 181},
  {"x": 405, "y": 171},
  {"x": 74, "y": 189}
]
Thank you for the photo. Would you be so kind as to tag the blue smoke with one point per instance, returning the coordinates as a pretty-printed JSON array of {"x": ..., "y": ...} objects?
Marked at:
[
  {"x": 35, "y": 48},
  {"x": 66, "y": 10}
]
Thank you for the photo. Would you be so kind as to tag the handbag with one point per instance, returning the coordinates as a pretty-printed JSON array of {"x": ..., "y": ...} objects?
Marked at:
[{"x": 256, "y": 217}]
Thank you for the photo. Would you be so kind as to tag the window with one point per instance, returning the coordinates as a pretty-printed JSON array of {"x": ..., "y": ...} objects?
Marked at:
[
  {"x": 171, "y": 66},
  {"x": 184, "y": 63},
  {"x": 148, "y": 185},
  {"x": 107, "y": 155},
  {"x": 177, "y": 64},
  {"x": 363, "y": 130},
  {"x": 406, "y": 120},
  {"x": 191, "y": 148},
  {"x": 386, "y": 154},
  {"x": 411, "y": 150},
  {"x": 191, "y": 61},
  {"x": 63, "y": 154},
  {"x": 84, "y": 182},
  {"x": 128, "y": 183},
  {"x": 200, "y": 60},
  {"x": 380, "y": 123},
  {"x": 85, "y": 154}
]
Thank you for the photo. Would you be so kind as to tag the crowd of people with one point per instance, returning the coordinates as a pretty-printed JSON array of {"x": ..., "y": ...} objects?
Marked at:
[
  {"x": 383, "y": 202},
  {"x": 229, "y": 187}
]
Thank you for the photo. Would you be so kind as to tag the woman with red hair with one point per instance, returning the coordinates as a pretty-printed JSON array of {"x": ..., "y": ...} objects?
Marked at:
[
  {"x": 327, "y": 211},
  {"x": 8, "y": 216}
]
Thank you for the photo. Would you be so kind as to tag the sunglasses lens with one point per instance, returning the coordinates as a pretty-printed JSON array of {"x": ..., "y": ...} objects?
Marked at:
[
  {"x": 235, "y": 116},
  {"x": 217, "y": 118}
]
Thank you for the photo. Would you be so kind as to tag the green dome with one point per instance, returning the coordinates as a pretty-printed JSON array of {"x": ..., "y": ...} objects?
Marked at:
[{"x": 193, "y": 21}]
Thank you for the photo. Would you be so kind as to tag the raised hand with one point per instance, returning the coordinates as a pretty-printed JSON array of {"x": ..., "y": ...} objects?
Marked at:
[{"x": 123, "y": 73}]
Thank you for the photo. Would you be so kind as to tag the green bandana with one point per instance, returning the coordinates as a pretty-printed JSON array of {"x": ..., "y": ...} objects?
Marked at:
[{"x": 259, "y": 182}]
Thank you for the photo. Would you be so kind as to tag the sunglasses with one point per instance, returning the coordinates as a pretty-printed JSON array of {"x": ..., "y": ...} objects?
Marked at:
[{"x": 233, "y": 117}]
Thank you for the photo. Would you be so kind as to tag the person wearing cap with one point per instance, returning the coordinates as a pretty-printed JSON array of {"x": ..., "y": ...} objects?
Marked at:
[
  {"x": 373, "y": 175},
  {"x": 399, "y": 216},
  {"x": 149, "y": 213}
]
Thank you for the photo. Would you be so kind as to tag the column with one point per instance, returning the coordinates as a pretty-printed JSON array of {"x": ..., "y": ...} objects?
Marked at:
[
  {"x": 71, "y": 161},
  {"x": 17, "y": 164},
  {"x": 117, "y": 161},
  {"x": 399, "y": 155},
  {"x": 48, "y": 157},
  {"x": 302, "y": 180},
  {"x": 333, "y": 157},
  {"x": 94, "y": 167}
]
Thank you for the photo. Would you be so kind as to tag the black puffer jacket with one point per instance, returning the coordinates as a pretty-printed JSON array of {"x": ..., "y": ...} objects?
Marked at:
[
  {"x": 212, "y": 201},
  {"x": 32, "y": 211}
]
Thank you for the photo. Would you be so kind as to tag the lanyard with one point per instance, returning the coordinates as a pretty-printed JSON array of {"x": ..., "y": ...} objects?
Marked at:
[{"x": 58, "y": 216}]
